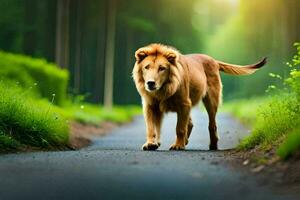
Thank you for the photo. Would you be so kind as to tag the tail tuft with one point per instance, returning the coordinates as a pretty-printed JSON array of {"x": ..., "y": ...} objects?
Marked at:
[{"x": 260, "y": 63}]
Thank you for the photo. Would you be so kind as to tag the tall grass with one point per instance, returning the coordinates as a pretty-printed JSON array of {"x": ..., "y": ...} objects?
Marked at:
[
  {"x": 26, "y": 121},
  {"x": 275, "y": 118}
]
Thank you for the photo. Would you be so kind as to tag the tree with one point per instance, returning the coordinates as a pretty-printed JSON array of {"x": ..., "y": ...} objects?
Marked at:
[
  {"x": 62, "y": 33},
  {"x": 78, "y": 46},
  {"x": 109, "y": 54},
  {"x": 29, "y": 43}
]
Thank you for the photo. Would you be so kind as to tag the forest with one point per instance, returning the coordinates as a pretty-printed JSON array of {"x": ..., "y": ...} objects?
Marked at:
[
  {"x": 73, "y": 125},
  {"x": 72, "y": 57},
  {"x": 75, "y": 34}
]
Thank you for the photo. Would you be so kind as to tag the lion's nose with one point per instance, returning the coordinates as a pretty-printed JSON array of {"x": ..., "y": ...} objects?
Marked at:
[{"x": 151, "y": 85}]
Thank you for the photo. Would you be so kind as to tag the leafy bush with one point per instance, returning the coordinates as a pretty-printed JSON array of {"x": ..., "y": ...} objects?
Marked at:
[
  {"x": 28, "y": 121},
  {"x": 279, "y": 116},
  {"x": 294, "y": 80},
  {"x": 290, "y": 145},
  {"x": 27, "y": 71},
  {"x": 274, "y": 119}
]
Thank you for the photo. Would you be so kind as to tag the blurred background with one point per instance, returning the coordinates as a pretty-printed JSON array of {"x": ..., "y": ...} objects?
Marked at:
[{"x": 95, "y": 40}]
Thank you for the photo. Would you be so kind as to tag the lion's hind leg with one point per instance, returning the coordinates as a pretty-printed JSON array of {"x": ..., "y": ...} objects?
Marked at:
[{"x": 211, "y": 102}]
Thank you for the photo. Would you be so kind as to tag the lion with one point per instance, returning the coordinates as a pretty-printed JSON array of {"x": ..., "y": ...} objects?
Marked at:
[{"x": 169, "y": 81}]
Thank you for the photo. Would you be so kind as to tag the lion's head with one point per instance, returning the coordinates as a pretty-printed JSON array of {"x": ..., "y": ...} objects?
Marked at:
[{"x": 157, "y": 71}]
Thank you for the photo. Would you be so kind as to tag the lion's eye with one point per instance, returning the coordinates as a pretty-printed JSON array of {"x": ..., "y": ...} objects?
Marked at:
[
  {"x": 161, "y": 68},
  {"x": 147, "y": 67}
]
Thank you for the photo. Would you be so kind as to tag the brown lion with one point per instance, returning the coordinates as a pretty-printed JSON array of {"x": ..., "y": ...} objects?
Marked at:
[{"x": 169, "y": 81}]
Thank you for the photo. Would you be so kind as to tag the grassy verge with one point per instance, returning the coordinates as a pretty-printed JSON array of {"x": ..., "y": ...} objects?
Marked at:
[
  {"x": 291, "y": 144},
  {"x": 29, "y": 122},
  {"x": 275, "y": 119},
  {"x": 245, "y": 109},
  {"x": 95, "y": 114},
  {"x": 47, "y": 77},
  {"x": 34, "y": 108}
]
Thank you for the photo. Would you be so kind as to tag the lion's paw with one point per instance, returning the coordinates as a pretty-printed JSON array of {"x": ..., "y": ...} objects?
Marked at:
[
  {"x": 150, "y": 146},
  {"x": 213, "y": 147},
  {"x": 176, "y": 147}
]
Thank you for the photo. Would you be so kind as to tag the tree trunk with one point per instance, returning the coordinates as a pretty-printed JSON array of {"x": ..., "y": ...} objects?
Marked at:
[
  {"x": 62, "y": 33},
  {"x": 30, "y": 32},
  {"x": 100, "y": 57},
  {"x": 109, "y": 54},
  {"x": 78, "y": 47}
]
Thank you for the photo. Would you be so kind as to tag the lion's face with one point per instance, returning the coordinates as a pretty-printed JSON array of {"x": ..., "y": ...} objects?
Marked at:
[
  {"x": 155, "y": 72},
  {"x": 157, "y": 69}
]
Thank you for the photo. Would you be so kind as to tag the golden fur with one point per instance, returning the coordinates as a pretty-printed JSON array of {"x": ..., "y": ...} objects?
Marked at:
[{"x": 169, "y": 81}]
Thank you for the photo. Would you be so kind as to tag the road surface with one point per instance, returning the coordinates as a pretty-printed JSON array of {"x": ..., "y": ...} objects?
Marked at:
[{"x": 114, "y": 167}]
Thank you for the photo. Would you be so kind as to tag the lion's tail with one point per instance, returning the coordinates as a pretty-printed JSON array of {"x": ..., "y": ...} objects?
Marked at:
[{"x": 241, "y": 70}]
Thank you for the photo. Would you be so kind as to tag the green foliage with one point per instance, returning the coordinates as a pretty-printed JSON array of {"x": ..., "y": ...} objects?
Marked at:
[
  {"x": 16, "y": 76},
  {"x": 140, "y": 24},
  {"x": 245, "y": 109},
  {"x": 290, "y": 145},
  {"x": 8, "y": 143},
  {"x": 27, "y": 72},
  {"x": 246, "y": 37},
  {"x": 239, "y": 31},
  {"x": 277, "y": 116},
  {"x": 294, "y": 80},
  {"x": 25, "y": 120},
  {"x": 95, "y": 114}
]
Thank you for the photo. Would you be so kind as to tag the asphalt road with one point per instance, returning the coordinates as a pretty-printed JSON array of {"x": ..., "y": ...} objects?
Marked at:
[{"x": 114, "y": 167}]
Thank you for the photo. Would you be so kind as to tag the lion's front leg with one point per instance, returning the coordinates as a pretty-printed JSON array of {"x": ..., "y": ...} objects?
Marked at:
[
  {"x": 153, "y": 118},
  {"x": 158, "y": 122},
  {"x": 182, "y": 128}
]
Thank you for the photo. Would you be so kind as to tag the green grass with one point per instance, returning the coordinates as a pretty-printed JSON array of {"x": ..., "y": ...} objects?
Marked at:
[
  {"x": 290, "y": 145},
  {"x": 26, "y": 121},
  {"x": 8, "y": 142},
  {"x": 47, "y": 77},
  {"x": 30, "y": 122},
  {"x": 34, "y": 109},
  {"x": 272, "y": 118},
  {"x": 95, "y": 114},
  {"x": 275, "y": 119},
  {"x": 244, "y": 109}
]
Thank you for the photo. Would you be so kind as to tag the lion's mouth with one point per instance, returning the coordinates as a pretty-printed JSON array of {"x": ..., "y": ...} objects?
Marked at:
[{"x": 151, "y": 89}]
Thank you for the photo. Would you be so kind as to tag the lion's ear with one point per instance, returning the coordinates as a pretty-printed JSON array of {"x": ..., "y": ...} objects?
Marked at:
[
  {"x": 172, "y": 58},
  {"x": 140, "y": 55}
]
